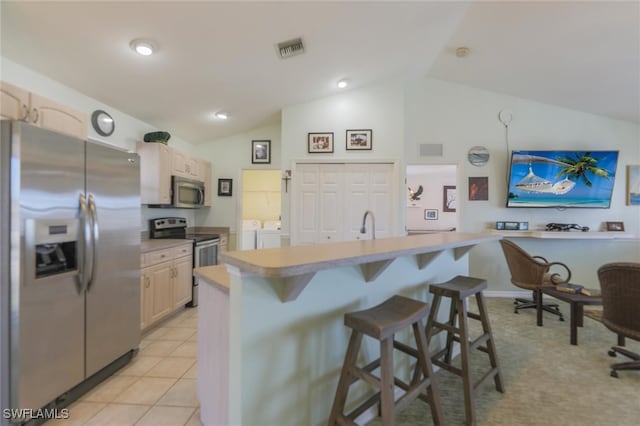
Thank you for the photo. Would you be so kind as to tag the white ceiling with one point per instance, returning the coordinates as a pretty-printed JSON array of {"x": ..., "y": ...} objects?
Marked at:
[{"x": 221, "y": 56}]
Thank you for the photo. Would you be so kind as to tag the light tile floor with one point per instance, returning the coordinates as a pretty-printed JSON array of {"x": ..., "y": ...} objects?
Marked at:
[{"x": 157, "y": 387}]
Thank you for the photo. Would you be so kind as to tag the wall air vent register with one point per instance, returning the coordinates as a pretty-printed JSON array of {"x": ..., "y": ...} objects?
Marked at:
[{"x": 290, "y": 48}]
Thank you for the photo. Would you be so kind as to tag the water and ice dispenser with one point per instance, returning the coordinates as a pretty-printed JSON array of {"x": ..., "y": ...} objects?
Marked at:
[{"x": 52, "y": 245}]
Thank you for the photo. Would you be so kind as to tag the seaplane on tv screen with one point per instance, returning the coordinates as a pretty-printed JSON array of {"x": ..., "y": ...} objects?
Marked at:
[{"x": 562, "y": 179}]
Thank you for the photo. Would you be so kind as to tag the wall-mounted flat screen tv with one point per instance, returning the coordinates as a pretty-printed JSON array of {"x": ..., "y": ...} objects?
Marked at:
[{"x": 562, "y": 178}]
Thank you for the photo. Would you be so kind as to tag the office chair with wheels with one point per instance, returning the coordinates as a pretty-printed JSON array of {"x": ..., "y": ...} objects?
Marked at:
[
  {"x": 533, "y": 273},
  {"x": 620, "y": 286}
]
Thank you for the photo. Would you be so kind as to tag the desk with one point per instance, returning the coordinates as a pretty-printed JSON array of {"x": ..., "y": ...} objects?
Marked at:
[{"x": 576, "y": 301}]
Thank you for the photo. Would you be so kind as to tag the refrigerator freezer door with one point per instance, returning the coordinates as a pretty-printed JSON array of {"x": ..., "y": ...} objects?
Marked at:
[
  {"x": 113, "y": 295},
  {"x": 47, "y": 313}
]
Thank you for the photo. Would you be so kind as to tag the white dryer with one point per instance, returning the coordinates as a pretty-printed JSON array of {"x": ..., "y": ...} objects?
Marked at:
[
  {"x": 269, "y": 235},
  {"x": 247, "y": 238}
]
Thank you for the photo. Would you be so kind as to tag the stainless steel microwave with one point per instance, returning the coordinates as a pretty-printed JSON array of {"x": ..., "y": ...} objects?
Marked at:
[{"x": 187, "y": 193}]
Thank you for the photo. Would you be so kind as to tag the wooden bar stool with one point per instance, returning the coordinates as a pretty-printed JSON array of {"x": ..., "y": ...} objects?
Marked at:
[
  {"x": 382, "y": 322},
  {"x": 458, "y": 289}
]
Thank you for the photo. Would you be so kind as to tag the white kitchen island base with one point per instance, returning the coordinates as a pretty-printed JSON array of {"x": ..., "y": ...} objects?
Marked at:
[{"x": 278, "y": 363}]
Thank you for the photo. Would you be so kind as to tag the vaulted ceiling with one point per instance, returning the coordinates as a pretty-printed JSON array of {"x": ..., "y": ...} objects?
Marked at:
[{"x": 222, "y": 56}]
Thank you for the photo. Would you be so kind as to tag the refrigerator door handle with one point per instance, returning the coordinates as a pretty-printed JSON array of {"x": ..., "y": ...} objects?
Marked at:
[
  {"x": 84, "y": 242},
  {"x": 95, "y": 234}
]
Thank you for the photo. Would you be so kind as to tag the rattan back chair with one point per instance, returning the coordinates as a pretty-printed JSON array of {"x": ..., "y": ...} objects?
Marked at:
[
  {"x": 533, "y": 273},
  {"x": 620, "y": 286}
]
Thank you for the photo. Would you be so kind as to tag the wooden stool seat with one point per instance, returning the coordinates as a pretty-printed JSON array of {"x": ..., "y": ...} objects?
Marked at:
[
  {"x": 386, "y": 319},
  {"x": 458, "y": 289},
  {"x": 382, "y": 322}
]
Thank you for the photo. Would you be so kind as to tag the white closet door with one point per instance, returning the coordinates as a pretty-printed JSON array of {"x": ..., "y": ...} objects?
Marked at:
[
  {"x": 331, "y": 201},
  {"x": 368, "y": 187},
  {"x": 380, "y": 199},
  {"x": 307, "y": 207}
]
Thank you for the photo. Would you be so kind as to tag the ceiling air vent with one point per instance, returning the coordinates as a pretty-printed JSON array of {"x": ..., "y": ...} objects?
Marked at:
[{"x": 290, "y": 48}]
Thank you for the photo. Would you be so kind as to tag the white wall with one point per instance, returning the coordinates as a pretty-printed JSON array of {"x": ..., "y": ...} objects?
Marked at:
[
  {"x": 379, "y": 108},
  {"x": 460, "y": 117},
  {"x": 229, "y": 156}
]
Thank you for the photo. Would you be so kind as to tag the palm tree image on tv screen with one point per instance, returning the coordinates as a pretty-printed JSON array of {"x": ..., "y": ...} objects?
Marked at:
[{"x": 562, "y": 178}]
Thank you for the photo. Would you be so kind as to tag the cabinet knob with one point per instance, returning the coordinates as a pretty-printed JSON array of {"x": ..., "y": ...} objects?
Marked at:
[
  {"x": 26, "y": 111},
  {"x": 36, "y": 115}
]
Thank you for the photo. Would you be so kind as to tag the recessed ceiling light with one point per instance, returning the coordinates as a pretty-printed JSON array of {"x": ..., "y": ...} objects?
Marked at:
[
  {"x": 221, "y": 115},
  {"x": 343, "y": 83},
  {"x": 142, "y": 47},
  {"x": 462, "y": 51}
]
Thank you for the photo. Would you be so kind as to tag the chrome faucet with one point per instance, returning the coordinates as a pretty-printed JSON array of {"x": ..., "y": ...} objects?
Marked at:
[{"x": 363, "y": 230}]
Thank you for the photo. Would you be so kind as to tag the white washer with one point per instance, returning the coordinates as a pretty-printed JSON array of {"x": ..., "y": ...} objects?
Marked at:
[
  {"x": 248, "y": 234},
  {"x": 269, "y": 235}
]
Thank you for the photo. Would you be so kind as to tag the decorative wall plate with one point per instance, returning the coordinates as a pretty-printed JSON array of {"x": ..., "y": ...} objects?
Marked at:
[{"x": 478, "y": 156}]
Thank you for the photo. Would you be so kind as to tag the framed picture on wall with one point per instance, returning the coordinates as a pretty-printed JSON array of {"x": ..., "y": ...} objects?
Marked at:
[
  {"x": 320, "y": 143},
  {"x": 225, "y": 187},
  {"x": 479, "y": 188},
  {"x": 448, "y": 198},
  {"x": 615, "y": 226},
  {"x": 430, "y": 214},
  {"x": 359, "y": 140},
  {"x": 261, "y": 152}
]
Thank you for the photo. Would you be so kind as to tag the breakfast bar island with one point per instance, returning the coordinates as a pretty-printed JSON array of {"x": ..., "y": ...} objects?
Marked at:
[{"x": 271, "y": 339}]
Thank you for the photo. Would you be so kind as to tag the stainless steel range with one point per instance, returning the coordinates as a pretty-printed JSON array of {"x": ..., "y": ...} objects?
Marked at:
[{"x": 205, "y": 245}]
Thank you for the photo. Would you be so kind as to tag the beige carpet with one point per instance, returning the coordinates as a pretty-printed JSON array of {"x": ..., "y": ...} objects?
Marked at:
[{"x": 547, "y": 380}]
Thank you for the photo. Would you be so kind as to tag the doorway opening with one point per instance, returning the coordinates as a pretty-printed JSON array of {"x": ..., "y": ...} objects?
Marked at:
[
  {"x": 431, "y": 198},
  {"x": 260, "y": 209}
]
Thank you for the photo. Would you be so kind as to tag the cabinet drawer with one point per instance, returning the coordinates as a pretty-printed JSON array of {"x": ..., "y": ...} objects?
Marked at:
[
  {"x": 180, "y": 251},
  {"x": 158, "y": 256}
]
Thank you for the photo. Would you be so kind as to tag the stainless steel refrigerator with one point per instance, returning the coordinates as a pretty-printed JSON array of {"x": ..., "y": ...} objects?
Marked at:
[{"x": 70, "y": 251}]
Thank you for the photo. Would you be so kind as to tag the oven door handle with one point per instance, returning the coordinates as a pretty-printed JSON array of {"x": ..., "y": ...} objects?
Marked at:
[{"x": 206, "y": 244}]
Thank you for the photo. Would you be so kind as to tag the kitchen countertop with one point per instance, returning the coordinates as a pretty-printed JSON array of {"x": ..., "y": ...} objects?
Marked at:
[
  {"x": 288, "y": 261},
  {"x": 296, "y": 266},
  {"x": 216, "y": 275},
  {"x": 161, "y": 244}
]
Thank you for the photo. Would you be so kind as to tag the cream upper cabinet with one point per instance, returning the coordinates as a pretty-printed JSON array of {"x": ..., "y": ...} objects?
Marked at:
[
  {"x": 184, "y": 165},
  {"x": 155, "y": 173},
  {"x": 15, "y": 103},
  {"x": 20, "y": 104},
  {"x": 179, "y": 164},
  {"x": 204, "y": 175},
  {"x": 50, "y": 115}
]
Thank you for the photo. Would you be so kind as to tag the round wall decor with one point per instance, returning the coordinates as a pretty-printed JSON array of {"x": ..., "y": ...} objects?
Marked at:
[
  {"x": 478, "y": 156},
  {"x": 102, "y": 123}
]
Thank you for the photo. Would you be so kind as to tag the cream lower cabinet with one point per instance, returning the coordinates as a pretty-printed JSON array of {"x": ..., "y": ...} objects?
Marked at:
[{"x": 165, "y": 283}]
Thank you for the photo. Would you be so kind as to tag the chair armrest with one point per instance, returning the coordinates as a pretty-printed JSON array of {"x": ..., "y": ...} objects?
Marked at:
[
  {"x": 540, "y": 258},
  {"x": 557, "y": 278}
]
